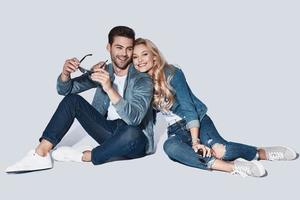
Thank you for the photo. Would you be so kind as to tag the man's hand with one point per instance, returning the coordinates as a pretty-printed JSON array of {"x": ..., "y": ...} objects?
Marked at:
[
  {"x": 99, "y": 65},
  {"x": 70, "y": 66},
  {"x": 102, "y": 76}
]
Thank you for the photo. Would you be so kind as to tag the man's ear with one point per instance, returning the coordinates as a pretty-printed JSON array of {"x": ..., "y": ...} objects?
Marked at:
[{"x": 108, "y": 47}]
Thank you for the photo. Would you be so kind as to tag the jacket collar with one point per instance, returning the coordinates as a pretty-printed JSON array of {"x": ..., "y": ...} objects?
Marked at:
[{"x": 131, "y": 72}]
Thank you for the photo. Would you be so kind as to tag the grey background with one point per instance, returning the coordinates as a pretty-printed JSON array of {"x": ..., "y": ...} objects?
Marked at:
[{"x": 240, "y": 57}]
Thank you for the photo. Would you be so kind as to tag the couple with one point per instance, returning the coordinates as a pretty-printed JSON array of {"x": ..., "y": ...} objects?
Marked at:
[{"x": 129, "y": 92}]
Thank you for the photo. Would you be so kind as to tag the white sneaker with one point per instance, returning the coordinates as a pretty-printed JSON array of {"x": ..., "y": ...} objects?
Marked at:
[
  {"x": 248, "y": 168},
  {"x": 280, "y": 153},
  {"x": 67, "y": 154},
  {"x": 31, "y": 162}
]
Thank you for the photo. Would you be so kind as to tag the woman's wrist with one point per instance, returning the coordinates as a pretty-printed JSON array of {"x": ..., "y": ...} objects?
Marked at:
[{"x": 195, "y": 141}]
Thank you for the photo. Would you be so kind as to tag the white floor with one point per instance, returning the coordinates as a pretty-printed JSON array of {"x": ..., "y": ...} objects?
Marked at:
[{"x": 151, "y": 177}]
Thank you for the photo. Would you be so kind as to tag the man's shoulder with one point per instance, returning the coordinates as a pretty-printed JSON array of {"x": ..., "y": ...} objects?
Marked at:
[{"x": 135, "y": 74}]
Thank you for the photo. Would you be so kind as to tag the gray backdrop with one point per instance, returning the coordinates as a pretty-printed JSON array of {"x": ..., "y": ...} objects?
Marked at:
[{"x": 240, "y": 57}]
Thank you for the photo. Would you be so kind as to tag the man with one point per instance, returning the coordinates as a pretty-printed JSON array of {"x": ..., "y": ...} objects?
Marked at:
[{"x": 119, "y": 119}]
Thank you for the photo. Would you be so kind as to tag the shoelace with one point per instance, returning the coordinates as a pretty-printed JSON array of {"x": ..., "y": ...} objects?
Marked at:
[
  {"x": 243, "y": 171},
  {"x": 276, "y": 156},
  {"x": 21, "y": 162}
]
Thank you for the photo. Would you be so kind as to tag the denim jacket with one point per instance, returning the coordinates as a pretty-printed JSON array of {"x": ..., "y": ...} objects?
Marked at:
[
  {"x": 134, "y": 107},
  {"x": 186, "y": 105}
]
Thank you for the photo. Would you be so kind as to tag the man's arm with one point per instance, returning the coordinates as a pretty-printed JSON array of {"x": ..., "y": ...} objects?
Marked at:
[
  {"x": 134, "y": 111},
  {"x": 65, "y": 85}
]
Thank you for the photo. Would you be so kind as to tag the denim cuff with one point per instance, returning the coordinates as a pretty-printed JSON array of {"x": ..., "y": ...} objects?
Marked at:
[
  {"x": 63, "y": 86},
  {"x": 53, "y": 142},
  {"x": 193, "y": 124},
  {"x": 123, "y": 112},
  {"x": 120, "y": 104},
  {"x": 211, "y": 162},
  {"x": 93, "y": 157}
]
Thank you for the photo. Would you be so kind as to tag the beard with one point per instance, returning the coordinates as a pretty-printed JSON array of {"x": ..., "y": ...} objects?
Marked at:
[{"x": 120, "y": 65}]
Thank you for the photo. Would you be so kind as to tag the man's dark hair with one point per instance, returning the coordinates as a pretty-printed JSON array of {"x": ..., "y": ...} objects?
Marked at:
[{"x": 123, "y": 31}]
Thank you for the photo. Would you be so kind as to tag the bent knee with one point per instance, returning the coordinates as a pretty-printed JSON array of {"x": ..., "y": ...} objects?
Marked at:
[
  {"x": 132, "y": 133},
  {"x": 219, "y": 150},
  {"x": 71, "y": 98},
  {"x": 170, "y": 147}
]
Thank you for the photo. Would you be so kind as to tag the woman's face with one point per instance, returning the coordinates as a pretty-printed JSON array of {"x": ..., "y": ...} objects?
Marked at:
[{"x": 143, "y": 58}]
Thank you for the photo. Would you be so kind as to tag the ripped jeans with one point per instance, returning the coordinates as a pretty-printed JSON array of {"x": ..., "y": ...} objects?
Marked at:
[{"x": 178, "y": 146}]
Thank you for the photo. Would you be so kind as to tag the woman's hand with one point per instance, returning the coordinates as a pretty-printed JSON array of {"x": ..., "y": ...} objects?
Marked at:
[{"x": 206, "y": 150}]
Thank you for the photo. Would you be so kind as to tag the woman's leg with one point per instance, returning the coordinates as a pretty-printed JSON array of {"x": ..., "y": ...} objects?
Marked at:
[
  {"x": 229, "y": 151},
  {"x": 223, "y": 149},
  {"x": 181, "y": 151}
]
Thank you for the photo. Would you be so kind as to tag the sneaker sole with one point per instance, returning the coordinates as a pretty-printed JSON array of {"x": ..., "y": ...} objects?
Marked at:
[{"x": 27, "y": 171}]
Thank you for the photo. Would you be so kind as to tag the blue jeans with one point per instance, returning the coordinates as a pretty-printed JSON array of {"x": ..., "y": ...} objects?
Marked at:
[
  {"x": 178, "y": 146},
  {"x": 116, "y": 138}
]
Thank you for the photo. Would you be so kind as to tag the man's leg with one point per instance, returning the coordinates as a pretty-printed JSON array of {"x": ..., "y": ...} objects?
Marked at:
[
  {"x": 75, "y": 106},
  {"x": 127, "y": 141},
  {"x": 71, "y": 107}
]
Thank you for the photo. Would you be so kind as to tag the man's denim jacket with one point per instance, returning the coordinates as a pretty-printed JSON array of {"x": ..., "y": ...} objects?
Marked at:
[
  {"x": 134, "y": 108},
  {"x": 186, "y": 104}
]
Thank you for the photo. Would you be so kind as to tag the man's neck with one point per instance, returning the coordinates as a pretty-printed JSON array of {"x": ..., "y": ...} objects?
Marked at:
[{"x": 120, "y": 72}]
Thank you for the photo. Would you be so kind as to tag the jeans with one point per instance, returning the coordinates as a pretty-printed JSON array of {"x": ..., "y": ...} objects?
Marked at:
[
  {"x": 116, "y": 138},
  {"x": 178, "y": 146}
]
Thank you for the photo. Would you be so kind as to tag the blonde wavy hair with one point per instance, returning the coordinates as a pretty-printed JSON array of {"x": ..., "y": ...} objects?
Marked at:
[{"x": 163, "y": 97}]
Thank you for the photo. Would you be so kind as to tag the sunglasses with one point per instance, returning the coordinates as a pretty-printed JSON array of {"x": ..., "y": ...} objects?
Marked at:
[{"x": 83, "y": 70}]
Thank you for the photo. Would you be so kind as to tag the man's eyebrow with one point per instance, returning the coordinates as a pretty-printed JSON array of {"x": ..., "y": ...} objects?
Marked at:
[{"x": 118, "y": 45}]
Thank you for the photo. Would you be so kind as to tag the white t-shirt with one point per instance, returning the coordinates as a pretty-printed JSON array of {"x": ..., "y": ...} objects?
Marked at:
[
  {"x": 118, "y": 85},
  {"x": 170, "y": 117}
]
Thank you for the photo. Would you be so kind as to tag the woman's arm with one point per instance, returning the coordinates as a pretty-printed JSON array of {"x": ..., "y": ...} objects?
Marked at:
[
  {"x": 183, "y": 98},
  {"x": 196, "y": 143}
]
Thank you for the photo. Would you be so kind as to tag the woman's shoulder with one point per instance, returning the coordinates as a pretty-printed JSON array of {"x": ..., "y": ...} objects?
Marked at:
[{"x": 172, "y": 70}]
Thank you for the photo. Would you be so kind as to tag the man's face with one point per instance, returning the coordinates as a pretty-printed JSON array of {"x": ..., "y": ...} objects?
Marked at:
[{"x": 121, "y": 51}]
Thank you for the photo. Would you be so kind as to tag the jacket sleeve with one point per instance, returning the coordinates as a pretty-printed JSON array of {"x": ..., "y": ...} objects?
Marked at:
[
  {"x": 184, "y": 99},
  {"x": 75, "y": 85},
  {"x": 134, "y": 110}
]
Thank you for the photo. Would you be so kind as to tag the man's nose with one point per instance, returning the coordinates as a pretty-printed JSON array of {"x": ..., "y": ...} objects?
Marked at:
[{"x": 124, "y": 52}]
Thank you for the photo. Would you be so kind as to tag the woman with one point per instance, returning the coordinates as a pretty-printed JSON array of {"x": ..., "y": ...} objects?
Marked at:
[{"x": 192, "y": 137}]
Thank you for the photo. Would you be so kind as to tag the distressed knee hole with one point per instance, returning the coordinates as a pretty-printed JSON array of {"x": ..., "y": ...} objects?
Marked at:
[{"x": 218, "y": 150}]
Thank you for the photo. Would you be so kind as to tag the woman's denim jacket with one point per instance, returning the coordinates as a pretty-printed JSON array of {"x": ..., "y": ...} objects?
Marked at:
[
  {"x": 134, "y": 108},
  {"x": 186, "y": 105}
]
